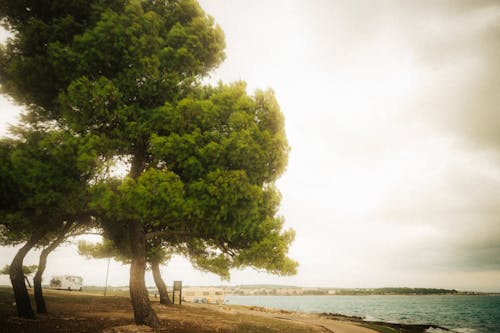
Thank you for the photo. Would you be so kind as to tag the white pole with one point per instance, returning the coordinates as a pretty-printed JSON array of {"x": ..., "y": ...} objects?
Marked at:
[{"x": 107, "y": 274}]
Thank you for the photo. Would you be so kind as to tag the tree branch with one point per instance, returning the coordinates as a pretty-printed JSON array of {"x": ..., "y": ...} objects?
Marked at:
[{"x": 166, "y": 234}]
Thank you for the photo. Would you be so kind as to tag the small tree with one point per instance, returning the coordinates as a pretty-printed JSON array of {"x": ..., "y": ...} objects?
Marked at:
[{"x": 27, "y": 271}]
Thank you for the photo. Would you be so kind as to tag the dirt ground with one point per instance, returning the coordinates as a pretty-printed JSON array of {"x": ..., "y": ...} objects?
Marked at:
[
  {"x": 75, "y": 312},
  {"x": 72, "y": 312}
]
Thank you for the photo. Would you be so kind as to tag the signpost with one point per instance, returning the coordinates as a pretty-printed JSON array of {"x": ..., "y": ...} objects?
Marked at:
[{"x": 177, "y": 290}]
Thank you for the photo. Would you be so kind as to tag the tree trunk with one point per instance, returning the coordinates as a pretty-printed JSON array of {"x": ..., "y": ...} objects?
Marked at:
[
  {"x": 160, "y": 284},
  {"x": 16, "y": 273},
  {"x": 143, "y": 312},
  {"x": 27, "y": 281},
  {"x": 42, "y": 264},
  {"x": 37, "y": 281}
]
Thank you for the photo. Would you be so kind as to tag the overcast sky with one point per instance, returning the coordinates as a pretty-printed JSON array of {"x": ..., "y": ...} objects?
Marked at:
[{"x": 392, "y": 111}]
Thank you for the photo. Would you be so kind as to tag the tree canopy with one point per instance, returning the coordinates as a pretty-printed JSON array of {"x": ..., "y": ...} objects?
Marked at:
[
  {"x": 45, "y": 177},
  {"x": 27, "y": 270}
]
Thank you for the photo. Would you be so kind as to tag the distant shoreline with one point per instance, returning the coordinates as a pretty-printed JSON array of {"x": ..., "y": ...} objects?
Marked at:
[
  {"x": 303, "y": 291},
  {"x": 338, "y": 295},
  {"x": 283, "y": 290}
]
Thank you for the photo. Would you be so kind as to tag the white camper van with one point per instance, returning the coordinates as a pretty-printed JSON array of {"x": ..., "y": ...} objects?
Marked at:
[{"x": 66, "y": 282}]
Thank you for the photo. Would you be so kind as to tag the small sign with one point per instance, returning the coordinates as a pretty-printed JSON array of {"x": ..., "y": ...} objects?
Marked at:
[{"x": 177, "y": 291}]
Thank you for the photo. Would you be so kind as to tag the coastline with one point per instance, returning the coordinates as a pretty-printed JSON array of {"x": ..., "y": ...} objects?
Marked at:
[
  {"x": 410, "y": 328},
  {"x": 331, "y": 322},
  {"x": 462, "y": 313}
]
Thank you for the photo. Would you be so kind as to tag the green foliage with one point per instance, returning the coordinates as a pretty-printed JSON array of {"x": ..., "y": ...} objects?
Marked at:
[
  {"x": 222, "y": 129},
  {"x": 29, "y": 71},
  {"x": 7, "y": 180},
  {"x": 27, "y": 270},
  {"x": 150, "y": 51},
  {"x": 45, "y": 176},
  {"x": 274, "y": 246},
  {"x": 48, "y": 166},
  {"x": 106, "y": 249},
  {"x": 201, "y": 257}
]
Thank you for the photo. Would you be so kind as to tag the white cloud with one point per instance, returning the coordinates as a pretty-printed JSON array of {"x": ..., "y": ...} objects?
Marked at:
[{"x": 392, "y": 113}]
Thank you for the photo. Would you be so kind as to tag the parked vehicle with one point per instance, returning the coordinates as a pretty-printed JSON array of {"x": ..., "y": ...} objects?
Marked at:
[{"x": 66, "y": 282}]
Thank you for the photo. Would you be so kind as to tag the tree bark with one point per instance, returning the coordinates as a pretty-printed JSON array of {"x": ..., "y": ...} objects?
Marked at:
[
  {"x": 143, "y": 312},
  {"x": 37, "y": 281},
  {"x": 160, "y": 284},
  {"x": 27, "y": 281},
  {"x": 23, "y": 304}
]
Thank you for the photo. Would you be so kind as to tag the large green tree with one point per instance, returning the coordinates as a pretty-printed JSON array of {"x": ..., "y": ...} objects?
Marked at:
[
  {"x": 202, "y": 160},
  {"x": 209, "y": 183}
]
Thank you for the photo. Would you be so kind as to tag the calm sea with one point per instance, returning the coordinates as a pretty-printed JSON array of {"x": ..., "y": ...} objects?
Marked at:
[{"x": 467, "y": 314}]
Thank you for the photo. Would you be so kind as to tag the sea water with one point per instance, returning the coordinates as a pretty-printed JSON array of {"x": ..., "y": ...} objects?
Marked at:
[{"x": 460, "y": 313}]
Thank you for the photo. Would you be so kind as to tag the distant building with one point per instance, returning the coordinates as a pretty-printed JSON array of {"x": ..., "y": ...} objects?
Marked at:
[{"x": 210, "y": 295}]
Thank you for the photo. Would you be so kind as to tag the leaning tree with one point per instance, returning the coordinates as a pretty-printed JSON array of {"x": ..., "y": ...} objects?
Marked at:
[
  {"x": 202, "y": 161},
  {"x": 80, "y": 223},
  {"x": 44, "y": 194}
]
